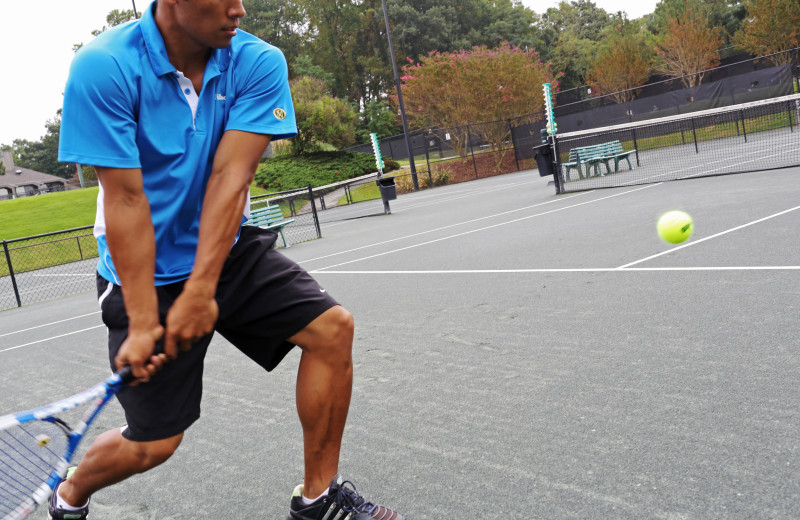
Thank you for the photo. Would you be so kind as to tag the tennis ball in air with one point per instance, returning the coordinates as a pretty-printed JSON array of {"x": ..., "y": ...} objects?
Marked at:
[{"x": 675, "y": 226}]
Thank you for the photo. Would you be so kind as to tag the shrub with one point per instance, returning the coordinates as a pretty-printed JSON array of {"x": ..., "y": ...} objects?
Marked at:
[
  {"x": 317, "y": 169},
  {"x": 404, "y": 184}
]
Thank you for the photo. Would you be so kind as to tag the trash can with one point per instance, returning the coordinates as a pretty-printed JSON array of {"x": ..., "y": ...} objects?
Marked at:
[
  {"x": 387, "y": 188},
  {"x": 544, "y": 159}
]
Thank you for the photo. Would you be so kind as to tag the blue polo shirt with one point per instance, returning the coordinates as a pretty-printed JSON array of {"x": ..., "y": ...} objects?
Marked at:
[{"x": 126, "y": 106}]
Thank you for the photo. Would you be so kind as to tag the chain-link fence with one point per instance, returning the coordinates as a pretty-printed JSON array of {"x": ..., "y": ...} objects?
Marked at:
[
  {"x": 463, "y": 153},
  {"x": 49, "y": 266},
  {"x": 454, "y": 154},
  {"x": 44, "y": 267},
  {"x": 296, "y": 205}
]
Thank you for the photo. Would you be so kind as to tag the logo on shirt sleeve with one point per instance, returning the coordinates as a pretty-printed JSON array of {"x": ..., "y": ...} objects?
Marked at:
[{"x": 279, "y": 113}]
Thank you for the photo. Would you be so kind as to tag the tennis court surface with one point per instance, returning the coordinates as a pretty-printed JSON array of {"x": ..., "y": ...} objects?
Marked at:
[{"x": 517, "y": 355}]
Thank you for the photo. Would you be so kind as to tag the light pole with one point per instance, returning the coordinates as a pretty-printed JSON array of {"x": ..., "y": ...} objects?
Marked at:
[
  {"x": 400, "y": 100},
  {"x": 134, "y": 9}
]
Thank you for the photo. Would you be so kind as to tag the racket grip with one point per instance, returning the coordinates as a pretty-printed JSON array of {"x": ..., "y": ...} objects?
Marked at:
[{"x": 126, "y": 374}]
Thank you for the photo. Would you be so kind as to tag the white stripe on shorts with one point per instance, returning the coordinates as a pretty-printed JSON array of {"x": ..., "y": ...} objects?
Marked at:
[{"x": 105, "y": 294}]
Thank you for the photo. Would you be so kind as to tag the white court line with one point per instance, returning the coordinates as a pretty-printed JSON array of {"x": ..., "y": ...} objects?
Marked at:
[
  {"x": 485, "y": 228},
  {"x": 64, "y": 274},
  {"x": 706, "y": 172},
  {"x": 700, "y": 241},
  {"x": 445, "y": 227},
  {"x": 48, "y": 324},
  {"x": 50, "y": 338},
  {"x": 416, "y": 202},
  {"x": 578, "y": 270}
]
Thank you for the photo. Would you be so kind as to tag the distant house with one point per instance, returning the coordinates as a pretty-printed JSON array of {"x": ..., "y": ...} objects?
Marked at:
[{"x": 22, "y": 182}]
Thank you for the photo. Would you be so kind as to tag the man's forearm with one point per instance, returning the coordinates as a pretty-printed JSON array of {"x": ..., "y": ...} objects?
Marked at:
[
  {"x": 226, "y": 195},
  {"x": 131, "y": 240},
  {"x": 223, "y": 207}
]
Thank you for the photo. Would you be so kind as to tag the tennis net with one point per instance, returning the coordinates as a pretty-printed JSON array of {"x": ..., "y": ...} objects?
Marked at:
[{"x": 760, "y": 135}]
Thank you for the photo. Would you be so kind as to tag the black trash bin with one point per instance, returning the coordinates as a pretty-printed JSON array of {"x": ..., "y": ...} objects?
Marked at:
[
  {"x": 387, "y": 188},
  {"x": 544, "y": 159}
]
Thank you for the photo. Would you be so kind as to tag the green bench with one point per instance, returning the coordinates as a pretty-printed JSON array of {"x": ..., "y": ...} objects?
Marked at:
[
  {"x": 270, "y": 217},
  {"x": 594, "y": 155},
  {"x": 614, "y": 152},
  {"x": 574, "y": 162}
]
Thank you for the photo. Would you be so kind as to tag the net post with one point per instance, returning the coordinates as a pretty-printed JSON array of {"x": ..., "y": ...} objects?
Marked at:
[
  {"x": 552, "y": 129},
  {"x": 11, "y": 273},
  {"x": 694, "y": 136},
  {"x": 556, "y": 165},
  {"x": 744, "y": 127},
  {"x": 636, "y": 147},
  {"x": 376, "y": 148},
  {"x": 513, "y": 143},
  {"x": 428, "y": 160},
  {"x": 472, "y": 150},
  {"x": 797, "y": 111},
  {"x": 789, "y": 113}
]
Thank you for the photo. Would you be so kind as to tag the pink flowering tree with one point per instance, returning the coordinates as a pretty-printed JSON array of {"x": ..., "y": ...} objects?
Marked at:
[{"x": 484, "y": 85}]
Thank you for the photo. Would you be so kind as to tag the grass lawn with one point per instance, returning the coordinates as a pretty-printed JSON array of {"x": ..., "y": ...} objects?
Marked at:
[
  {"x": 369, "y": 191},
  {"x": 46, "y": 213},
  {"x": 28, "y": 216},
  {"x": 255, "y": 190}
]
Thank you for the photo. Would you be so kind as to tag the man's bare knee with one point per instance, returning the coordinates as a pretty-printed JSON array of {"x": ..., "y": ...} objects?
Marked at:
[
  {"x": 342, "y": 327},
  {"x": 331, "y": 331}
]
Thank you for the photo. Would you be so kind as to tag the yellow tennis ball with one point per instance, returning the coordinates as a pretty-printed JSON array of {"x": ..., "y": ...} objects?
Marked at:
[{"x": 675, "y": 226}]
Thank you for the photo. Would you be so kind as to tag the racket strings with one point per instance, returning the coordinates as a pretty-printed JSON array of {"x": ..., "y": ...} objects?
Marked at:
[{"x": 31, "y": 452}]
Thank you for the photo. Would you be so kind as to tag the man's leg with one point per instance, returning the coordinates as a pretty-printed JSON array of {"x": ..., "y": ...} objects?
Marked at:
[
  {"x": 324, "y": 385},
  {"x": 110, "y": 459}
]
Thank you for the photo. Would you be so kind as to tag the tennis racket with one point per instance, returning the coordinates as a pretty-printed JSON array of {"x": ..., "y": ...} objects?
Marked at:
[{"x": 36, "y": 446}]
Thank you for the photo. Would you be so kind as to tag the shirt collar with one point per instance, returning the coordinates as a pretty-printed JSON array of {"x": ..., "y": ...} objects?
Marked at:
[{"x": 157, "y": 51}]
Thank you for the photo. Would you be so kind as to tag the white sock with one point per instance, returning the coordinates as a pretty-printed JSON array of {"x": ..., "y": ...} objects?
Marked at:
[
  {"x": 61, "y": 504},
  {"x": 308, "y": 501}
]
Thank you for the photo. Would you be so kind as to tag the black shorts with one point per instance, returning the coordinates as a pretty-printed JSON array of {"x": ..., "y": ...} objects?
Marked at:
[{"x": 263, "y": 297}]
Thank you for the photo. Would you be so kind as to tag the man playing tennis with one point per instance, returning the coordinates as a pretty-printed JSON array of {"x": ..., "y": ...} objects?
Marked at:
[{"x": 174, "y": 111}]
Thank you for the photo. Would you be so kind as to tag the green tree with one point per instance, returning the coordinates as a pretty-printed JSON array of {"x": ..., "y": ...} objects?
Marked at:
[
  {"x": 421, "y": 26},
  {"x": 278, "y": 22},
  {"x": 303, "y": 65},
  {"x": 726, "y": 15},
  {"x": 321, "y": 118},
  {"x": 571, "y": 33},
  {"x": 771, "y": 26},
  {"x": 377, "y": 118},
  {"x": 334, "y": 30},
  {"x": 513, "y": 23}
]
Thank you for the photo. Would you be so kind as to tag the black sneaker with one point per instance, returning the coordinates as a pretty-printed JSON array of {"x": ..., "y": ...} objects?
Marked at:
[
  {"x": 56, "y": 513},
  {"x": 342, "y": 502}
]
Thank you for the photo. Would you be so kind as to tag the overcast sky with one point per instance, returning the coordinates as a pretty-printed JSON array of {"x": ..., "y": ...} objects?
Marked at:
[{"x": 36, "y": 38}]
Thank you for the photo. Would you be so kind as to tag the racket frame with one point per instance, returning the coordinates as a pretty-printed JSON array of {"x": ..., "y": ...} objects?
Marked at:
[{"x": 101, "y": 394}]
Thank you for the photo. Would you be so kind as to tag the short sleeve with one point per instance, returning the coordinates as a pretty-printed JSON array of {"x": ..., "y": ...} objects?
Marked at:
[
  {"x": 263, "y": 101},
  {"x": 98, "y": 125}
]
